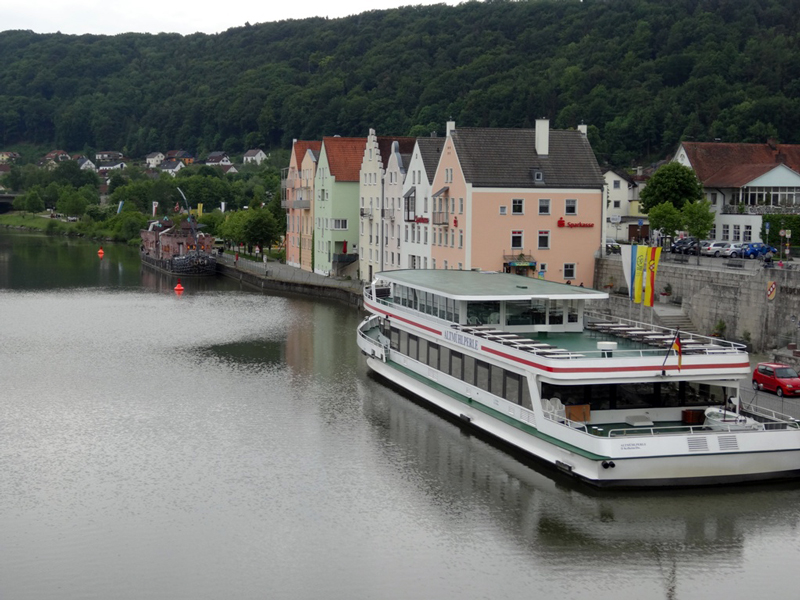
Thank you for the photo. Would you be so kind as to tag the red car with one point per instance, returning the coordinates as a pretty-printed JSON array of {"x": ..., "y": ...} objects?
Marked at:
[{"x": 778, "y": 378}]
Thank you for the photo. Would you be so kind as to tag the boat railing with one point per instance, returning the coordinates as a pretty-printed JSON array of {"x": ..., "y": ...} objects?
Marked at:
[
  {"x": 592, "y": 317},
  {"x": 773, "y": 419}
]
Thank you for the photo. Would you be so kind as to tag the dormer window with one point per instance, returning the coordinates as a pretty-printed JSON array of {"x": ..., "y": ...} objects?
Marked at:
[{"x": 537, "y": 176}]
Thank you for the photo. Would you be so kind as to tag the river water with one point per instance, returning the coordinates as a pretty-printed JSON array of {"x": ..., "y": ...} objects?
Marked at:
[{"x": 230, "y": 444}]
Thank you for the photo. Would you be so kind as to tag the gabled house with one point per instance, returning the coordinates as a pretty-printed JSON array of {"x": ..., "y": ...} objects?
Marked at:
[
  {"x": 415, "y": 213},
  {"x": 336, "y": 206},
  {"x": 181, "y": 155},
  {"x": 743, "y": 182},
  {"x": 52, "y": 158},
  {"x": 229, "y": 169},
  {"x": 377, "y": 204},
  {"x": 171, "y": 166},
  {"x": 154, "y": 159},
  {"x": 297, "y": 189},
  {"x": 254, "y": 156},
  {"x": 8, "y": 157},
  {"x": 114, "y": 165},
  {"x": 218, "y": 159},
  {"x": 623, "y": 214},
  {"x": 527, "y": 201},
  {"x": 86, "y": 165},
  {"x": 108, "y": 156}
]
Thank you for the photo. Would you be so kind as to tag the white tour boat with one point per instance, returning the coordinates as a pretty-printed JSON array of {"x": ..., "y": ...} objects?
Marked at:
[{"x": 606, "y": 400}]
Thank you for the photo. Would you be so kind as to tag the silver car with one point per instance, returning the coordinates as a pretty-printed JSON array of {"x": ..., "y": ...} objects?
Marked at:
[
  {"x": 713, "y": 248},
  {"x": 733, "y": 250}
]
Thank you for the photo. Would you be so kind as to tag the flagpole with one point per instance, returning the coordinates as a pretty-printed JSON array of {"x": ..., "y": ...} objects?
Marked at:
[{"x": 669, "y": 349}]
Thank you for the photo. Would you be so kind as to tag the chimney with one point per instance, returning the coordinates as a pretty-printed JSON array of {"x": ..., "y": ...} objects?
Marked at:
[
  {"x": 451, "y": 126},
  {"x": 639, "y": 171},
  {"x": 772, "y": 143},
  {"x": 583, "y": 128},
  {"x": 542, "y": 137}
]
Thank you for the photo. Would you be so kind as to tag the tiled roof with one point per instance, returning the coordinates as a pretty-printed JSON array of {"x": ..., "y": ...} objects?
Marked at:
[
  {"x": 430, "y": 149},
  {"x": 733, "y": 165},
  {"x": 344, "y": 156},
  {"x": 252, "y": 153},
  {"x": 385, "y": 146},
  {"x": 508, "y": 158},
  {"x": 301, "y": 147}
]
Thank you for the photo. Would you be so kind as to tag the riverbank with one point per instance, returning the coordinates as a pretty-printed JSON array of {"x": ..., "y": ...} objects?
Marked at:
[{"x": 275, "y": 276}]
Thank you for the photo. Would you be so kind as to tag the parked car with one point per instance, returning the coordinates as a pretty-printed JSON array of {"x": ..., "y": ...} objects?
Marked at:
[
  {"x": 693, "y": 247},
  {"x": 713, "y": 248},
  {"x": 778, "y": 378},
  {"x": 733, "y": 250},
  {"x": 612, "y": 247},
  {"x": 678, "y": 245},
  {"x": 757, "y": 250}
]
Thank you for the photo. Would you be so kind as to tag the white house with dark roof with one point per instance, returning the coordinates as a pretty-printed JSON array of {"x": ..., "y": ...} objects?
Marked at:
[
  {"x": 171, "y": 166},
  {"x": 255, "y": 155},
  {"x": 415, "y": 218},
  {"x": 218, "y": 159},
  {"x": 154, "y": 159}
]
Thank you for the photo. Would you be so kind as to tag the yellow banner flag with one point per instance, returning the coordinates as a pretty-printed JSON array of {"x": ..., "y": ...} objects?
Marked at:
[
  {"x": 199, "y": 209},
  {"x": 638, "y": 283},
  {"x": 653, "y": 255}
]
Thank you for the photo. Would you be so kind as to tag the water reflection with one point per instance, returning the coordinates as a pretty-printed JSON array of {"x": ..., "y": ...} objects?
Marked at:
[{"x": 559, "y": 519}]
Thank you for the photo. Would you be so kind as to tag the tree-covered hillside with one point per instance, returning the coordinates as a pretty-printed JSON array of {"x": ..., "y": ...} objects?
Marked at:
[{"x": 642, "y": 73}]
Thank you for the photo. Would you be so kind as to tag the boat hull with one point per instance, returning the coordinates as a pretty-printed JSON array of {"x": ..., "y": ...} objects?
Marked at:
[
  {"x": 611, "y": 469},
  {"x": 197, "y": 264}
]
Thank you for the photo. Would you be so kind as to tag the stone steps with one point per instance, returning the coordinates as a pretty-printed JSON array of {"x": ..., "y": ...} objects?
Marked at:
[{"x": 681, "y": 322}]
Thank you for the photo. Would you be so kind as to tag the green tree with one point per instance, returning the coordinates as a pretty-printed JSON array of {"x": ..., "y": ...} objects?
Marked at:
[
  {"x": 673, "y": 183},
  {"x": 698, "y": 219},
  {"x": 260, "y": 228},
  {"x": 232, "y": 229},
  {"x": 72, "y": 203},
  {"x": 667, "y": 218},
  {"x": 34, "y": 202}
]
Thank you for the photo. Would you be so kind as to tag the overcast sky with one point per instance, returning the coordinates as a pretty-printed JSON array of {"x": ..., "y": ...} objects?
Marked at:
[{"x": 206, "y": 16}]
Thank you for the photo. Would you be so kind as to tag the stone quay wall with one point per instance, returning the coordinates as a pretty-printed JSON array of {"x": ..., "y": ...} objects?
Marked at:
[{"x": 714, "y": 292}]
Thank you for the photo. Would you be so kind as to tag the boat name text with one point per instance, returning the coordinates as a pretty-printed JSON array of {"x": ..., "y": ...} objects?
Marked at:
[
  {"x": 633, "y": 446},
  {"x": 460, "y": 339}
]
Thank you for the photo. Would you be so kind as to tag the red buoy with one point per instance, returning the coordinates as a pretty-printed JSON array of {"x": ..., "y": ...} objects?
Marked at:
[
  {"x": 100, "y": 252},
  {"x": 179, "y": 288}
]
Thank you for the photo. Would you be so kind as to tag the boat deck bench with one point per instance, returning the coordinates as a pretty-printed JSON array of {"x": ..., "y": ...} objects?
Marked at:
[{"x": 639, "y": 421}]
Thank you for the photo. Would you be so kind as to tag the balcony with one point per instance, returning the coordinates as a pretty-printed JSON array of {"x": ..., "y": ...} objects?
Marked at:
[
  {"x": 366, "y": 213},
  {"x": 387, "y": 214},
  {"x": 748, "y": 209},
  {"x": 302, "y": 203},
  {"x": 343, "y": 259},
  {"x": 441, "y": 218}
]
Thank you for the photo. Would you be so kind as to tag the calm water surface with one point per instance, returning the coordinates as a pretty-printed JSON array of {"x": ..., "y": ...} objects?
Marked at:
[{"x": 228, "y": 444}]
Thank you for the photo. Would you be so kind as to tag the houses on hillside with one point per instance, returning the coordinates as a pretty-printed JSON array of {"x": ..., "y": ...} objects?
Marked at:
[{"x": 528, "y": 201}]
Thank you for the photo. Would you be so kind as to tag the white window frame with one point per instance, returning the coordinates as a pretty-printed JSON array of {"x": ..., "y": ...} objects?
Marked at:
[
  {"x": 543, "y": 233},
  {"x": 518, "y": 233},
  {"x": 518, "y": 203},
  {"x": 544, "y": 206},
  {"x": 567, "y": 207},
  {"x": 503, "y": 211},
  {"x": 570, "y": 269}
]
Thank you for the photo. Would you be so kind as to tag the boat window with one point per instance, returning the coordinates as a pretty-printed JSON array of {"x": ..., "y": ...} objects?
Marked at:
[
  {"x": 450, "y": 310},
  {"x": 404, "y": 342},
  {"x": 572, "y": 311},
  {"x": 456, "y": 364},
  {"x": 482, "y": 375},
  {"x": 423, "y": 351},
  {"x": 636, "y": 395},
  {"x": 443, "y": 308},
  {"x": 496, "y": 382},
  {"x": 395, "y": 339},
  {"x": 526, "y": 394},
  {"x": 556, "y": 313},
  {"x": 469, "y": 370},
  {"x": 413, "y": 346},
  {"x": 512, "y": 387},
  {"x": 444, "y": 360},
  {"x": 433, "y": 355},
  {"x": 480, "y": 313},
  {"x": 518, "y": 312},
  {"x": 539, "y": 311}
]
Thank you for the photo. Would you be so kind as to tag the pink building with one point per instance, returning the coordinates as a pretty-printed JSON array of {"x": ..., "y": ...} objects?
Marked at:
[
  {"x": 527, "y": 201},
  {"x": 297, "y": 186}
]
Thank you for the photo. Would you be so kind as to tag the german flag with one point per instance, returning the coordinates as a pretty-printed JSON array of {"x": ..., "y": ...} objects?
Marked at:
[{"x": 676, "y": 345}]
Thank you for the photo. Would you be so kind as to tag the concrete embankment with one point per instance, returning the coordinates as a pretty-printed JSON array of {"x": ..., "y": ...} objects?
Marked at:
[{"x": 274, "y": 276}]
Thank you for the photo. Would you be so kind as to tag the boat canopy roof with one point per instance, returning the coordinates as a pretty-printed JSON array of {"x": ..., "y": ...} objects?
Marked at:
[{"x": 486, "y": 285}]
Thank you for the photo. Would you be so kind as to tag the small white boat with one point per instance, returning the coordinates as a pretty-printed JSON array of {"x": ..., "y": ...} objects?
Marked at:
[{"x": 720, "y": 418}]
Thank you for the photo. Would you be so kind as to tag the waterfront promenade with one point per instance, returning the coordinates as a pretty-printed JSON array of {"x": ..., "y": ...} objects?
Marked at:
[{"x": 276, "y": 276}]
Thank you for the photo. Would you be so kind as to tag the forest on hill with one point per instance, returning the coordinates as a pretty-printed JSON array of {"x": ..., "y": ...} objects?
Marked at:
[{"x": 643, "y": 74}]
